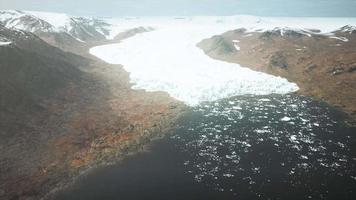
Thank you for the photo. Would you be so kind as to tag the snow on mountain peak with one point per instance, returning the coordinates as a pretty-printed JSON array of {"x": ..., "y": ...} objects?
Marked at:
[
  {"x": 24, "y": 21},
  {"x": 348, "y": 29},
  {"x": 80, "y": 28},
  {"x": 55, "y": 19}
]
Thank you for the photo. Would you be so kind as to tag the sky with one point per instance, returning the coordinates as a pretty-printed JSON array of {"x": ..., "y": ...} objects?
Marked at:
[{"x": 112, "y": 8}]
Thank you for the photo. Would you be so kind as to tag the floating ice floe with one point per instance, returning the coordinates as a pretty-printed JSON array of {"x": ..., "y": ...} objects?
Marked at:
[
  {"x": 220, "y": 143},
  {"x": 286, "y": 119}
]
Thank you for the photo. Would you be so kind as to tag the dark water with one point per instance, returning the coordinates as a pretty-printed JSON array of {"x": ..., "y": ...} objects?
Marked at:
[{"x": 264, "y": 147}]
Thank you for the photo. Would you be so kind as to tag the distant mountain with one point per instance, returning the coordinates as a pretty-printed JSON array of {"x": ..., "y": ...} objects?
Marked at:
[
  {"x": 289, "y": 32},
  {"x": 80, "y": 28},
  {"x": 348, "y": 29},
  {"x": 71, "y": 34},
  {"x": 24, "y": 21}
]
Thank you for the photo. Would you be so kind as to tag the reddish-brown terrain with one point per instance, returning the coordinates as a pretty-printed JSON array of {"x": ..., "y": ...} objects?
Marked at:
[
  {"x": 323, "y": 66},
  {"x": 62, "y": 114}
]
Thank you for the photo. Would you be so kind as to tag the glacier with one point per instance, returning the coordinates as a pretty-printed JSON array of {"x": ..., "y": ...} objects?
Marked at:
[{"x": 167, "y": 59}]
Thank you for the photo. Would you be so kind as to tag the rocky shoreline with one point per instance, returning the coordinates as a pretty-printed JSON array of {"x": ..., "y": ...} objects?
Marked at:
[
  {"x": 118, "y": 154},
  {"x": 323, "y": 65}
]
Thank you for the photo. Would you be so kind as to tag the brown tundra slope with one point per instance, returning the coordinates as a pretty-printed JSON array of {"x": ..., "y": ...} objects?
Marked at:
[
  {"x": 62, "y": 114},
  {"x": 323, "y": 66}
]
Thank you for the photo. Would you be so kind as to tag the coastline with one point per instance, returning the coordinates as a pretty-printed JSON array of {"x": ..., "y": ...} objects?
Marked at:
[
  {"x": 140, "y": 137},
  {"x": 322, "y": 67},
  {"x": 133, "y": 148}
]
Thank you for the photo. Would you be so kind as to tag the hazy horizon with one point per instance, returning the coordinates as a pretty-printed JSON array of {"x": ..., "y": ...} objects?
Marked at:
[{"x": 112, "y": 8}]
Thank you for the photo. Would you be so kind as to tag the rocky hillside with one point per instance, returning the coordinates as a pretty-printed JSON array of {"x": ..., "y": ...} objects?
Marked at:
[
  {"x": 31, "y": 69},
  {"x": 322, "y": 64},
  {"x": 61, "y": 114}
]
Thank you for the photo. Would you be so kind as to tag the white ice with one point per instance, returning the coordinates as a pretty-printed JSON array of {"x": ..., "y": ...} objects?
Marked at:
[{"x": 167, "y": 58}]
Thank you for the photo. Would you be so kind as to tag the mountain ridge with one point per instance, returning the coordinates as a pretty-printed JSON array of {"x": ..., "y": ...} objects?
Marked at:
[{"x": 80, "y": 28}]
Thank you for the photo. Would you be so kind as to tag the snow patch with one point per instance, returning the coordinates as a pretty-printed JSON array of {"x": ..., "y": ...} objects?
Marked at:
[
  {"x": 4, "y": 43},
  {"x": 235, "y": 43},
  {"x": 344, "y": 39}
]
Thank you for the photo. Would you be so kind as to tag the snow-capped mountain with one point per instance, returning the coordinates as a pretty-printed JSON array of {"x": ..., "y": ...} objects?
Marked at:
[
  {"x": 80, "y": 28},
  {"x": 23, "y": 21},
  {"x": 87, "y": 28},
  {"x": 290, "y": 32},
  {"x": 343, "y": 34},
  {"x": 348, "y": 29}
]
